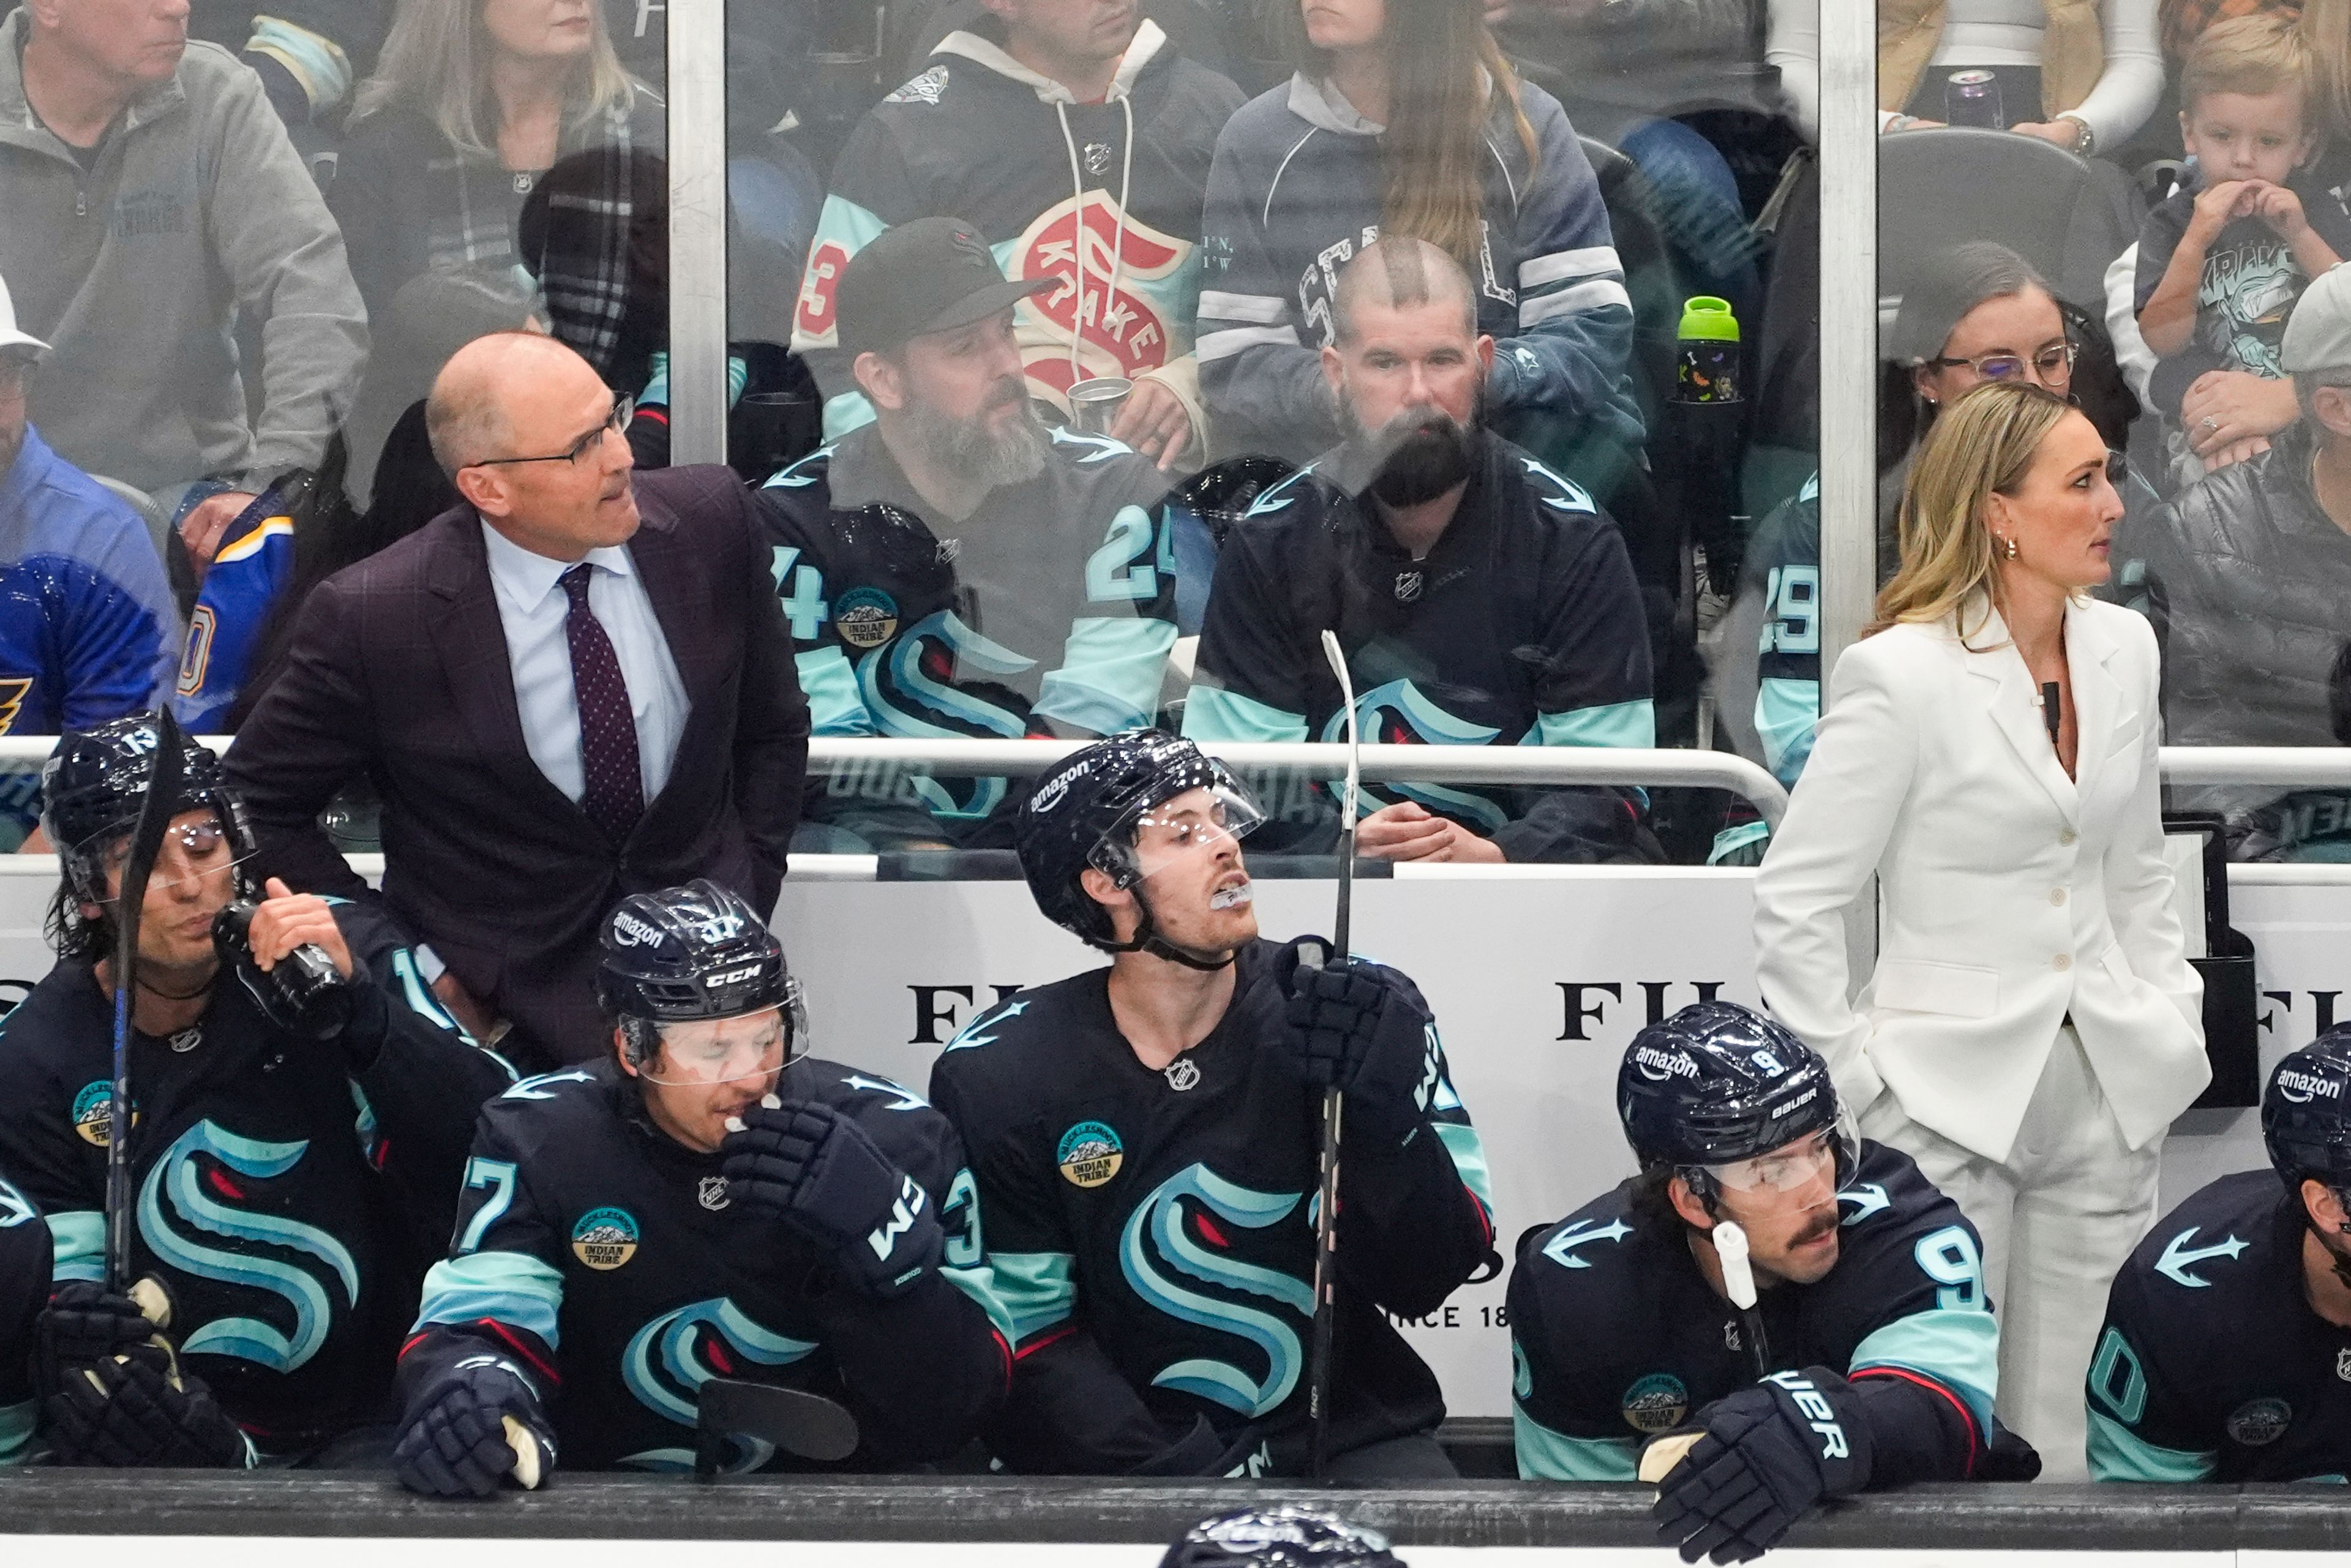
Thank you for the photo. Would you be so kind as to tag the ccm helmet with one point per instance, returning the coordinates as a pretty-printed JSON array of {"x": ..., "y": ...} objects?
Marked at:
[
  {"x": 688, "y": 953},
  {"x": 1717, "y": 1083}
]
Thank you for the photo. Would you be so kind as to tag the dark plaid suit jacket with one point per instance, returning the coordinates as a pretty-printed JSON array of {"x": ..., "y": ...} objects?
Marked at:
[{"x": 398, "y": 674}]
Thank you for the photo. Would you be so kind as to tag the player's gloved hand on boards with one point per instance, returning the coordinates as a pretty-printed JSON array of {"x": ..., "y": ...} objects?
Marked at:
[
  {"x": 1350, "y": 1025},
  {"x": 1771, "y": 1453},
  {"x": 83, "y": 1325},
  {"x": 455, "y": 1441},
  {"x": 125, "y": 1412},
  {"x": 815, "y": 1171}
]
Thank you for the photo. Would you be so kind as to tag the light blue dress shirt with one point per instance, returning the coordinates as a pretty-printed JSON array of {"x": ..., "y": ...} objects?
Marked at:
[{"x": 531, "y": 607}]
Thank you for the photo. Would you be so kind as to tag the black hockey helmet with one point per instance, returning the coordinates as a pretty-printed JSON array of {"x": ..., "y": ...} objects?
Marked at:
[
  {"x": 1085, "y": 811},
  {"x": 95, "y": 781},
  {"x": 694, "y": 952},
  {"x": 2307, "y": 1113},
  {"x": 1717, "y": 1083},
  {"x": 1287, "y": 1536}
]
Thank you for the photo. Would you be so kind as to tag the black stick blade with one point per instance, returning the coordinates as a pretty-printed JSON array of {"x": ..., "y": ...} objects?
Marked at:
[
  {"x": 803, "y": 1425},
  {"x": 155, "y": 810}
]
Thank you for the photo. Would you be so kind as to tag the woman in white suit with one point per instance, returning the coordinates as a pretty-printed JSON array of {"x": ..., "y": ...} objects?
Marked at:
[{"x": 2032, "y": 1024}]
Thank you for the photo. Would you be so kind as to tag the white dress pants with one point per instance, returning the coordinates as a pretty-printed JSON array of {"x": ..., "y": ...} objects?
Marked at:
[{"x": 2058, "y": 1218}]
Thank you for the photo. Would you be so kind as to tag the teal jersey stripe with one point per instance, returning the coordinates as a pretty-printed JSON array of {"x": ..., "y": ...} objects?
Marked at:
[
  {"x": 1548, "y": 1455},
  {"x": 978, "y": 1282},
  {"x": 2119, "y": 1454},
  {"x": 1111, "y": 674},
  {"x": 78, "y": 1245},
  {"x": 1958, "y": 1347},
  {"x": 835, "y": 705},
  {"x": 1730, "y": 840},
  {"x": 1468, "y": 1151},
  {"x": 1212, "y": 713},
  {"x": 1036, "y": 1287},
  {"x": 1786, "y": 714},
  {"x": 513, "y": 1288},
  {"x": 846, "y": 412},
  {"x": 1611, "y": 723},
  {"x": 16, "y": 1422}
]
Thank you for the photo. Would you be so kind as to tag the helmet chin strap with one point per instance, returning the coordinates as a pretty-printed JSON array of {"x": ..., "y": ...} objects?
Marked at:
[{"x": 1148, "y": 940}]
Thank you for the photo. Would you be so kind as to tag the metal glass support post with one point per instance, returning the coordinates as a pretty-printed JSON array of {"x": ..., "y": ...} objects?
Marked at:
[{"x": 696, "y": 92}]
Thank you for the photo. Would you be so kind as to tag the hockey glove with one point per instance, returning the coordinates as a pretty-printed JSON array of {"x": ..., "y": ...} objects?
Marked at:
[
  {"x": 125, "y": 1412},
  {"x": 83, "y": 1325},
  {"x": 1770, "y": 1454},
  {"x": 1349, "y": 1026},
  {"x": 470, "y": 1429},
  {"x": 808, "y": 1167}
]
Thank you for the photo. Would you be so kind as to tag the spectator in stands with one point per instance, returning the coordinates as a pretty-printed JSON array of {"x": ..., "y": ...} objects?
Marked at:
[
  {"x": 1082, "y": 140},
  {"x": 1480, "y": 598},
  {"x": 1975, "y": 313},
  {"x": 1406, "y": 119},
  {"x": 2246, "y": 576},
  {"x": 472, "y": 102},
  {"x": 2084, "y": 76},
  {"x": 148, "y": 193},
  {"x": 88, "y": 630},
  {"x": 955, "y": 569},
  {"x": 573, "y": 687},
  {"x": 2223, "y": 261},
  {"x": 309, "y": 53}
]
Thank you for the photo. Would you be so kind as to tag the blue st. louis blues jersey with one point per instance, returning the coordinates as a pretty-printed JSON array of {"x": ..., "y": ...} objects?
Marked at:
[
  {"x": 1048, "y": 611},
  {"x": 1152, "y": 1235},
  {"x": 24, "y": 1292},
  {"x": 1523, "y": 626},
  {"x": 289, "y": 1193},
  {"x": 2212, "y": 1365},
  {"x": 1616, "y": 1336},
  {"x": 603, "y": 1263},
  {"x": 252, "y": 568}
]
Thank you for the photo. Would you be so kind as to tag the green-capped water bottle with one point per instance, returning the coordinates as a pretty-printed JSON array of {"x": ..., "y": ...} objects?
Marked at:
[{"x": 1706, "y": 368}]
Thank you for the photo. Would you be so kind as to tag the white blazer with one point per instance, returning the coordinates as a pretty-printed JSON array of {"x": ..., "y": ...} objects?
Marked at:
[{"x": 2011, "y": 895}]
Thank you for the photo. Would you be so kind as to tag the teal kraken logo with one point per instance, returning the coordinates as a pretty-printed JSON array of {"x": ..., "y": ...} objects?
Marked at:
[
  {"x": 182, "y": 1195},
  {"x": 920, "y": 687},
  {"x": 1400, "y": 711},
  {"x": 1158, "y": 1253},
  {"x": 672, "y": 1357}
]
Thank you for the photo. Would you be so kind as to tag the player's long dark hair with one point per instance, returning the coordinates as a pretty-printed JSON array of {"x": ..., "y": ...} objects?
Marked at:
[{"x": 77, "y": 939}]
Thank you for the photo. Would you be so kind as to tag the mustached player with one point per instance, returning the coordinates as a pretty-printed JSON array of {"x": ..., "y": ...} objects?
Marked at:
[
  {"x": 2226, "y": 1349},
  {"x": 1146, "y": 1139},
  {"x": 24, "y": 1292},
  {"x": 1882, "y": 1350},
  {"x": 294, "y": 1168},
  {"x": 712, "y": 1201}
]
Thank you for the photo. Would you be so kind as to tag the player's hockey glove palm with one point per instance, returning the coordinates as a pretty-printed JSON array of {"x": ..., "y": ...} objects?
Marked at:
[
  {"x": 1770, "y": 1454},
  {"x": 124, "y": 1413},
  {"x": 812, "y": 1168},
  {"x": 456, "y": 1442},
  {"x": 83, "y": 1325},
  {"x": 1350, "y": 1025}
]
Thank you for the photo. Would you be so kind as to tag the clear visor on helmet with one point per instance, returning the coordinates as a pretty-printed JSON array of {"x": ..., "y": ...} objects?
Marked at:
[
  {"x": 702, "y": 1053},
  {"x": 199, "y": 844},
  {"x": 1804, "y": 1173},
  {"x": 1193, "y": 829}
]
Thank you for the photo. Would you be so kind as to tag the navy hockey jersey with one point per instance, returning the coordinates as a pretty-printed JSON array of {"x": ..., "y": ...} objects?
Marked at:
[
  {"x": 2212, "y": 1365},
  {"x": 1521, "y": 627},
  {"x": 602, "y": 1259},
  {"x": 252, "y": 565},
  {"x": 1153, "y": 1233},
  {"x": 1299, "y": 186},
  {"x": 1616, "y": 1336},
  {"x": 24, "y": 1292},
  {"x": 1103, "y": 198},
  {"x": 289, "y": 1194},
  {"x": 1049, "y": 612}
]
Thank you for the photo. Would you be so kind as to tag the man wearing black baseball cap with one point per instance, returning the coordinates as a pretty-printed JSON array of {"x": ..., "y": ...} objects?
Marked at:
[{"x": 957, "y": 569}]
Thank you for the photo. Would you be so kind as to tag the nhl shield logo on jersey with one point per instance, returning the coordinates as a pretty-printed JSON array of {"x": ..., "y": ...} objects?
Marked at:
[
  {"x": 605, "y": 1237},
  {"x": 2343, "y": 1364},
  {"x": 711, "y": 1193},
  {"x": 1090, "y": 1154},
  {"x": 865, "y": 617},
  {"x": 2259, "y": 1421},
  {"x": 1655, "y": 1403},
  {"x": 93, "y": 1113}
]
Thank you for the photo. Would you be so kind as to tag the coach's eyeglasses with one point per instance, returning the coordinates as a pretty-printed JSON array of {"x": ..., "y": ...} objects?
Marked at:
[{"x": 615, "y": 424}]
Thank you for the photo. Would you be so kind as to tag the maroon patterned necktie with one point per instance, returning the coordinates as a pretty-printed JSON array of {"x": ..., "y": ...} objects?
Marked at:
[{"x": 615, "y": 796}]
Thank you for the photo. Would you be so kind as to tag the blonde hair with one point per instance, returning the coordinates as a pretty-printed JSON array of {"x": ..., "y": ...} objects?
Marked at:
[
  {"x": 1984, "y": 443},
  {"x": 2326, "y": 35},
  {"x": 436, "y": 62},
  {"x": 2253, "y": 55}
]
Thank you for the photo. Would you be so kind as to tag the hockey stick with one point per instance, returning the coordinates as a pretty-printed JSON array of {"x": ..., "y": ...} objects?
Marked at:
[
  {"x": 1326, "y": 1215},
  {"x": 146, "y": 843},
  {"x": 1739, "y": 1285},
  {"x": 803, "y": 1425}
]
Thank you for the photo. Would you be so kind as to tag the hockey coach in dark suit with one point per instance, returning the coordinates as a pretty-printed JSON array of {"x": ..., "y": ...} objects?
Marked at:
[{"x": 575, "y": 686}]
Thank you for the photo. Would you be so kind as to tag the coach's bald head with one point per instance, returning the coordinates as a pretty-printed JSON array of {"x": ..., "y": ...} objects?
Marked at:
[{"x": 523, "y": 426}]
